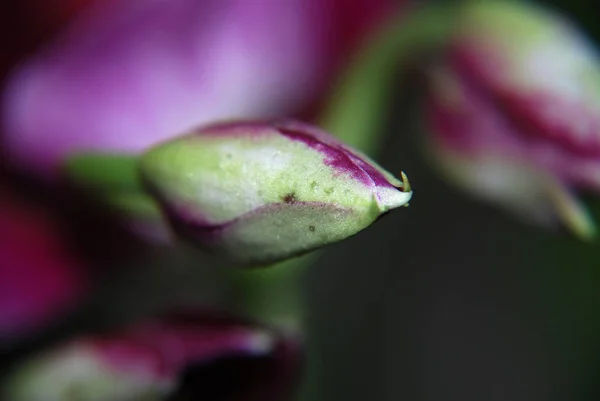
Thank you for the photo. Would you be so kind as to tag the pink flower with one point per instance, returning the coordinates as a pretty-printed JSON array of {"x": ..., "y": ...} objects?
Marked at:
[
  {"x": 179, "y": 357},
  {"x": 25, "y": 24},
  {"x": 514, "y": 112},
  {"x": 129, "y": 74},
  {"x": 40, "y": 279}
]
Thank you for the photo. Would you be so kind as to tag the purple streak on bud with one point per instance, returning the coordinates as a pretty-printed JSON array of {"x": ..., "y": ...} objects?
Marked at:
[
  {"x": 338, "y": 156},
  {"x": 537, "y": 113}
]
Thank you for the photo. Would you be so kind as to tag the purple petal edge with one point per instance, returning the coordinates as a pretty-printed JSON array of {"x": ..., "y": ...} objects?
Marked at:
[
  {"x": 210, "y": 233},
  {"x": 337, "y": 155}
]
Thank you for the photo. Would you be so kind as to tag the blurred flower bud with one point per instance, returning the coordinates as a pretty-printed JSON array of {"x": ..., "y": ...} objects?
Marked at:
[
  {"x": 262, "y": 192},
  {"x": 514, "y": 111},
  {"x": 39, "y": 278},
  {"x": 169, "y": 358},
  {"x": 128, "y": 74}
]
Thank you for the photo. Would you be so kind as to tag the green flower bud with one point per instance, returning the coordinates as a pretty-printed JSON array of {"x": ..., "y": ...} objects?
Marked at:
[{"x": 262, "y": 192}]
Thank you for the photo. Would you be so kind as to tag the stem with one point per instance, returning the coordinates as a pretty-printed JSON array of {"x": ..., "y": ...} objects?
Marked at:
[
  {"x": 356, "y": 111},
  {"x": 105, "y": 171},
  {"x": 275, "y": 294}
]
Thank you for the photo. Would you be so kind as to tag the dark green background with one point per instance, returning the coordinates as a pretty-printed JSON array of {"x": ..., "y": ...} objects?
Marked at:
[{"x": 452, "y": 299}]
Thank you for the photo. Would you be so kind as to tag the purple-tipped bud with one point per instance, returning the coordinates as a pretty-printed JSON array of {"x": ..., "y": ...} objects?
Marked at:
[
  {"x": 261, "y": 192},
  {"x": 514, "y": 111},
  {"x": 169, "y": 358}
]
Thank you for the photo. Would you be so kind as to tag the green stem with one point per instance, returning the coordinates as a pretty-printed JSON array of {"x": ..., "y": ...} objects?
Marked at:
[
  {"x": 357, "y": 109},
  {"x": 274, "y": 295},
  {"x": 105, "y": 171}
]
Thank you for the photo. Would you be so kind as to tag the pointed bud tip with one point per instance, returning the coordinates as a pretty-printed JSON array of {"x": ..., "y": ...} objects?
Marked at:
[
  {"x": 261, "y": 342},
  {"x": 405, "y": 183}
]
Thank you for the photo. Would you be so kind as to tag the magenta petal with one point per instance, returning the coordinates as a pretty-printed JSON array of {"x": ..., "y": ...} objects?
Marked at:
[
  {"x": 133, "y": 73},
  {"x": 39, "y": 278}
]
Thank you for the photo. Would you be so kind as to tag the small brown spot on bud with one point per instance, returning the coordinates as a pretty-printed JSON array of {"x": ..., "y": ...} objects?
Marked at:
[{"x": 289, "y": 198}]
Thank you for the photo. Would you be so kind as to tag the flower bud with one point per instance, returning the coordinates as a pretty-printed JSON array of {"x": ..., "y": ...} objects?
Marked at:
[
  {"x": 262, "y": 192},
  {"x": 514, "y": 111},
  {"x": 155, "y": 360}
]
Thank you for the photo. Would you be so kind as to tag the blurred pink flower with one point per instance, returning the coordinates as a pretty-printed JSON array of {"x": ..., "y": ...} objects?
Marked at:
[
  {"x": 40, "y": 279},
  {"x": 514, "y": 112},
  {"x": 129, "y": 74},
  {"x": 175, "y": 358}
]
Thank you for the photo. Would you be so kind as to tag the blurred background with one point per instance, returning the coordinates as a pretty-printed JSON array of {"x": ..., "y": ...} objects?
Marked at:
[{"x": 450, "y": 299}]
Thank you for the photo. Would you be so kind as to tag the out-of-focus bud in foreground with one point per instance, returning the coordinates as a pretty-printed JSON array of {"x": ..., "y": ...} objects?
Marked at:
[
  {"x": 40, "y": 279},
  {"x": 261, "y": 192},
  {"x": 514, "y": 111},
  {"x": 175, "y": 358},
  {"x": 128, "y": 74}
]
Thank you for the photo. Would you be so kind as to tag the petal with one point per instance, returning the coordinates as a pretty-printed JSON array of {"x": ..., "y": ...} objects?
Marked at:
[
  {"x": 40, "y": 278},
  {"x": 133, "y": 73}
]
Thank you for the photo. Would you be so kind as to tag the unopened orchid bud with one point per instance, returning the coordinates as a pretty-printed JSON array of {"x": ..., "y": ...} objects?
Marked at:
[
  {"x": 514, "y": 111},
  {"x": 261, "y": 192},
  {"x": 166, "y": 358}
]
